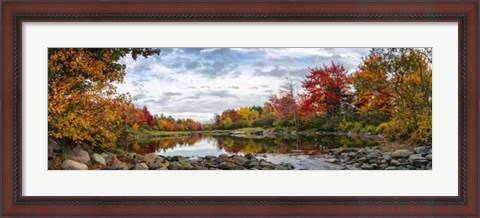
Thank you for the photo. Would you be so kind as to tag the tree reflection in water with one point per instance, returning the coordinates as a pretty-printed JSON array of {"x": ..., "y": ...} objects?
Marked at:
[{"x": 310, "y": 145}]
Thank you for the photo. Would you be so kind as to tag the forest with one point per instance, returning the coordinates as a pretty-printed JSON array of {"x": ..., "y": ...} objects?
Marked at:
[{"x": 389, "y": 94}]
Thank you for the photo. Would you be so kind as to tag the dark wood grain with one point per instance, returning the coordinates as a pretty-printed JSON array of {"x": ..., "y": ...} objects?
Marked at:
[{"x": 465, "y": 13}]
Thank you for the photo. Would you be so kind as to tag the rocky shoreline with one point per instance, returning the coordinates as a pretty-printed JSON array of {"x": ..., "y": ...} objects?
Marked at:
[
  {"x": 79, "y": 158},
  {"x": 368, "y": 158},
  {"x": 373, "y": 158}
]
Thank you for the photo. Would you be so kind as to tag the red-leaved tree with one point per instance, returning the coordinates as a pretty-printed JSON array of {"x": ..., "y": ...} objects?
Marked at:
[{"x": 327, "y": 90}]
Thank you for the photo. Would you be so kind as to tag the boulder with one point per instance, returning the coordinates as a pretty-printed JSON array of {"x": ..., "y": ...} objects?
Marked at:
[
  {"x": 73, "y": 165},
  {"x": 140, "y": 166},
  {"x": 117, "y": 165},
  {"x": 366, "y": 167},
  {"x": 77, "y": 154},
  {"x": 99, "y": 159},
  {"x": 404, "y": 153},
  {"x": 227, "y": 165},
  {"x": 417, "y": 160},
  {"x": 178, "y": 158},
  {"x": 221, "y": 158},
  {"x": 108, "y": 157},
  {"x": 421, "y": 149},
  {"x": 239, "y": 160},
  {"x": 210, "y": 157},
  {"x": 395, "y": 162},
  {"x": 266, "y": 165},
  {"x": 150, "y": 157},
  {"x": 180, "y": 165},
  {"x": 158, "y": 164}
]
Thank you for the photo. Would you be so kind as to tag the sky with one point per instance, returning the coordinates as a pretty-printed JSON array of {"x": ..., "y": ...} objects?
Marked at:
[{"x": 198, "y": 82}]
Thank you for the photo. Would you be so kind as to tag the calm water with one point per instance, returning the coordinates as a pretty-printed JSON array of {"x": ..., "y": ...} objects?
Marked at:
[
  {"x": 301, "y": 151},
  {"x": 202, "y": 145}
]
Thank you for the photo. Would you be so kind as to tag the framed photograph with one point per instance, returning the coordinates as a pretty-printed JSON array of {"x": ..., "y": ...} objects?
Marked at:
[{"x": 270, "y": 108}]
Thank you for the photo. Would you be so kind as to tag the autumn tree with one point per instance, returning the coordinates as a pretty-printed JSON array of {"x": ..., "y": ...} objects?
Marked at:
[
  {"x": 410, "y": 78},
  {"x": 83, "y": 104},
  {"x": 327, "y": 90},
  {"x": 285, "y": 106}
]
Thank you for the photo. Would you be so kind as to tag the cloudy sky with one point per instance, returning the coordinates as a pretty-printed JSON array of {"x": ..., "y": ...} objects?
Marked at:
[{"x": 198, "y": 82}]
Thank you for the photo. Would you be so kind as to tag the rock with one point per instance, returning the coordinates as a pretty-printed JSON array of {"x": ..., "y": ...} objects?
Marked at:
[
  {"x": 158, "y": 164},
  {"x": 391, "y": 168},
  {"x": 108, "y": 157},
  {"x": 251, "y": 164},
  {"x": 77, "y": 154},
  {"x": 366, "y": 167},
  {"x": 99, "y": 159},
  {"x": 178, "y": 158},
  {"x": 362, "y": 159},
  {"x": 249, "y": 156},
  {"x": 180, "y": 165},
  {"x": 266, "y": 165},
  {"x": 281, "y": 167},
  {"x": 429, "y": 166},
  {"x": 387, "y": 157},
  {"x": 421, "y": 149},
  {"x": 150, "y": 157},
  {"x": 429, "y": 157},
  {"x": 395, "y": 162},
  {"x": 73, "y": 165},
  {"x": 222, "y": 158},
  {"x": 117, "y": 165},
  {"x": 210, "y": 157},
  {"x": 417, "y": 160},
  {"x": 404, "y": 153},
  {"x": 239, "y": 160},
  {"x": 140, "y": 166},
  {"x": 226, "y": 165}
]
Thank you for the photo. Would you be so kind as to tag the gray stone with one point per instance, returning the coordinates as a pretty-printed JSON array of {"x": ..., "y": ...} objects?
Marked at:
[
  {"x": 395, "y": 163},
  {"x": 108, "y": 157},
  {"x": 226, "y": 165},
  {"x": 421, "y": 149},
  {"x": 417, "y": 160},
  {"x": 140, "y": 166},
  {"x": 180, "y": 165},
  {"x": 210, "y": 157},
  {"x": 158, "y": 164},
  {"x": 429, "y": 157},
  {"x": 266, "y": 164},
  {"x": 404, "y": 153},
  {"x": 222, "y": 158},
  {"x": 77, "y": 154},
  {"x": 391, "y": 168},
  {"x": 73, "y": 165},
  {"x": 178, "y": 158},
  {"x": 366, "y": 167},
  {"x": 239, "y": 160},
  {"x": 99, "y": 159},
  {"x": 362, "y": 159}
]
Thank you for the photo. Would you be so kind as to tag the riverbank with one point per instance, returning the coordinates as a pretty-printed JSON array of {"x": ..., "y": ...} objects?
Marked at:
[
  {"x": 82, "y": 157},
  {"x": 343, "y": 158},
  {"x": 374, "y": 158}
]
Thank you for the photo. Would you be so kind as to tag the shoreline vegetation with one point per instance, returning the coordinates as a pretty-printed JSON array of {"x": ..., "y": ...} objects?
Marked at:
[{"x": 388, "y": 96}]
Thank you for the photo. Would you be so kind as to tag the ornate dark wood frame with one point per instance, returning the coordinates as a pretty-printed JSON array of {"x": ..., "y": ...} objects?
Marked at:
[{"x": 465, "y": 13}]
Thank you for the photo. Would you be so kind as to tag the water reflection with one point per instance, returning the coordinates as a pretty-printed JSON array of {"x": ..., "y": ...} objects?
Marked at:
[{"x": 202, "y": 145}]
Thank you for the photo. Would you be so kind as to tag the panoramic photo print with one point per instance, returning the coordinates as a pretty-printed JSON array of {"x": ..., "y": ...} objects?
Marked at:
[{"x": 239, "y": 108}]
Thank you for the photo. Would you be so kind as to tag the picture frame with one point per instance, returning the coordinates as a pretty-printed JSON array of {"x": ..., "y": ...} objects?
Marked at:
[{"x": 14, "y": 13}]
